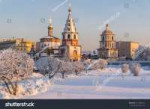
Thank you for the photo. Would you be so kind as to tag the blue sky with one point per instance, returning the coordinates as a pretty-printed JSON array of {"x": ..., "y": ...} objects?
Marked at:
[{"x": 128, "y": 19}]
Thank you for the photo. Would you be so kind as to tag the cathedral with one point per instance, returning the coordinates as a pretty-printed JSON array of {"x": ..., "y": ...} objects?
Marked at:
[
  {"x": 108, "y": 45},
  {"x": 70, "y": 48},
  {"x": 49, "y": 45}
]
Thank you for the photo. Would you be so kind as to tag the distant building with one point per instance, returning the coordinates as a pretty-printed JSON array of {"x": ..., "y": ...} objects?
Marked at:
[
  {"x": 108, "y": 48},
  {"x": 49, "y": 45},
  {"x": 5, "y": 44},
  {"x": 70, "y": 48},
  {"x": 18, "y": 44},
  {"x": 24, "y": 45},
  {"x": 126, "y": 49}
]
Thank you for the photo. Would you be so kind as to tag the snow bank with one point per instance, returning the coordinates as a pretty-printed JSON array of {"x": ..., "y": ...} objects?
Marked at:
[{"x": 35, "y": 85}]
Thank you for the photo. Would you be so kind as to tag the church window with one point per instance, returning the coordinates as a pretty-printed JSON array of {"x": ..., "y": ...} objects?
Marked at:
[
  {"x": 103, "y": 38},
  {"x": 63, "y": 36},
  {"x": 69, "y": 37}
]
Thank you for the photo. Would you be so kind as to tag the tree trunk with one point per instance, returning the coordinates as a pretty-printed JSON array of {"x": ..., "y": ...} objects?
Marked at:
[{"x": 63, "y": 75}]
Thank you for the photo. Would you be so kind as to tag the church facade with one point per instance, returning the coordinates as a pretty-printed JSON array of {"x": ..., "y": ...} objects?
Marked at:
[
  {"x": 49, "y": 45},
  {"x": 108, "y": 48},
  {"x": 70, "y": 48}
]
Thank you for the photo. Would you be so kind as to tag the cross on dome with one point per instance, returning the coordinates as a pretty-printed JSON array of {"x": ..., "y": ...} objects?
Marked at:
[
  {"x": 70, "y": 9},
  {"x": 107, "y": 26}
]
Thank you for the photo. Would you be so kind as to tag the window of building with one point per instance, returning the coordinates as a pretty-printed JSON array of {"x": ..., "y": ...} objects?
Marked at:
[
  {"x": 69, "y": 37},
  {"x": 63, "y": 36},
  {"x": 112, "y": 38},
  {"x": 103, "y": 39}
]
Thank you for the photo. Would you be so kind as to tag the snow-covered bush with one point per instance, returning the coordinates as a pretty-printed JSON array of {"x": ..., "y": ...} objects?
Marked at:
[
  {"x": 135, "y": 68},
  {"x": 78, "y": 67},
  {"x": 125, "y": 68},
  {"x": 100, "y": 64},
  {"x": 14, "y": 66}
]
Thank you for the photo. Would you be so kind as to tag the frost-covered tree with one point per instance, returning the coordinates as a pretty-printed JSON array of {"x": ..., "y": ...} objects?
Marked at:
[
  {"x": 100, "y": 64},
  {"x": 78, "y": 67},
  {"x": 53, "y": 66},
  {"x": 14, "y": 66},
  {"x": 135, "y": 68},
  {"x": 125, "y": 68},
  {"x": 143, "y": 53},
  {"x": 66, "y": 67},
  {"x": 87, "y": 64},
  {"x": 48, "y": 65}
]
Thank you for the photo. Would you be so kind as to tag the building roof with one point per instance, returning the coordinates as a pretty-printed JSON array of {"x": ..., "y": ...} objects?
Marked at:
[
  {"x": 70, "y": 24},
  {"x": 107, "y": 31},
  {"x": 127, "y": 42},
  {"x": 49, "y": 37}
]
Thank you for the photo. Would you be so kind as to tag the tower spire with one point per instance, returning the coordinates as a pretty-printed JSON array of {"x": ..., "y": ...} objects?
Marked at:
[
  {"x": 107, "y": 26},
  {"x": 50, "y": 28},
  {"x": 50, "y": 22},
  {"x": 70, "y": 9}
]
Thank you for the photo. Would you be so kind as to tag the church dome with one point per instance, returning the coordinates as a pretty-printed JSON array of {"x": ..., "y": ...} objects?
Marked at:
[{"x": 107, "y": 31}]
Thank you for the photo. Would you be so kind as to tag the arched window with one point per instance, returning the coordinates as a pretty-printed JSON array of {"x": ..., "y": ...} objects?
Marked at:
[
  {"x": 103, "y": 38},
  {"x": 69, "y": 37},
  {"x": 112, "y": 38}
]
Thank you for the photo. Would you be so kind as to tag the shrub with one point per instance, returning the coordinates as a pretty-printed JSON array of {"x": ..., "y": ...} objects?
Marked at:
[
  {"x": 135, "y": 68},
  {"x": 125, "y": 68}
]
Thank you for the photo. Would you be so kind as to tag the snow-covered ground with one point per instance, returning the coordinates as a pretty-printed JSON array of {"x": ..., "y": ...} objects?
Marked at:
[
  {"x": 99, "y": 84},
  {"x": 106, "y": 84}
]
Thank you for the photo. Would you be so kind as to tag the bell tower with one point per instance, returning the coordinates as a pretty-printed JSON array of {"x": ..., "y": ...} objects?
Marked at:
[
  {"x": 50, "y": 28},
  {"x": 108, "y": 48},
  {"x": 70, "y": 48},
  {"x": 70, "y": 34}
]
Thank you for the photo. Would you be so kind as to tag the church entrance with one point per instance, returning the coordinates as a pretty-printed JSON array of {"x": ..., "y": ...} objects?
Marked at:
[{"x": 75, "y": 55}]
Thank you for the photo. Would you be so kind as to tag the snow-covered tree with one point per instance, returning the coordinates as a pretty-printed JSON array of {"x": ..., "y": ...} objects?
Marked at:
[
  {"x": 135, "y": 68},
  {"x": 125, "y": 68},
  {"x": 100, "y": 64},
  {"x": 65, "y": 67},
  {"x": 48, "y": 65},
  {"x": 53, "y": 66},
  {"x": 78, "y": 67},
  {"x": 14, "y": 66},
  {"x": 87, "y": 64},
  {"x": 143, "y": 53}
]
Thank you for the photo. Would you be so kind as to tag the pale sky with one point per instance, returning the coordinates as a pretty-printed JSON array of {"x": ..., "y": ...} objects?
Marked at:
[{"x": 128, "y": 19}]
